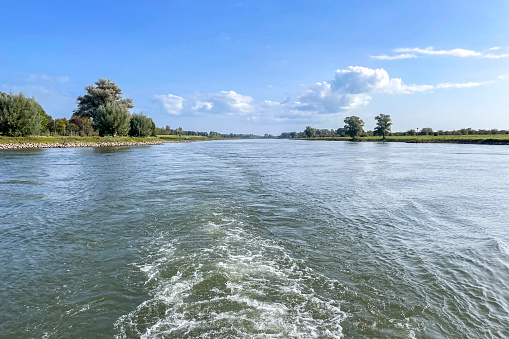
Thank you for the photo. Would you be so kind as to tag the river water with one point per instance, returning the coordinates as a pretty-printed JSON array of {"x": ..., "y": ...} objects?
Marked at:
[{"x": 255, "y": 239}]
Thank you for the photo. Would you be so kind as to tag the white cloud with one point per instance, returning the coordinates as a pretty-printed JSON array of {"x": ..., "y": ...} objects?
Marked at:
[
  {"x": 351, "y": 88},
  {"x": 224, "y": 102},
  {"x": 51, "y": 92},
  {"x": 494, "y": 56},
  {"x": 172, "y": 103},
  {"x": 394, "y": 57},
  {"x": 48, "y": 78},
  {"x": 458, "y": 52},
  {"x": 462, "y": 85}
]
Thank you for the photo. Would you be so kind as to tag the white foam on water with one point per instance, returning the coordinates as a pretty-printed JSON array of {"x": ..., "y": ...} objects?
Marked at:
[{"x": 240, "y": 285}]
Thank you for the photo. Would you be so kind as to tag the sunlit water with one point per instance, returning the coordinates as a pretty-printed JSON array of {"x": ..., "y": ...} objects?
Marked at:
[{"x": 255, "y": 239}]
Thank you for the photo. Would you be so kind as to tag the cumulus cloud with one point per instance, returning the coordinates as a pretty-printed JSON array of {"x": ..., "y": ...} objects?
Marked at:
[
  {"x": 351, "y": 88},
  {"x": 172, "y": 103},
  {"x": 407, "y": 53},
  {"x": 224, "y": 102}
]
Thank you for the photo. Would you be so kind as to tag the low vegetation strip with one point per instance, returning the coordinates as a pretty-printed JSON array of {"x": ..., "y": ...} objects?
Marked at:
[
  {"x": 490, "y": 139},
  {"x": 77, "y": 144}
]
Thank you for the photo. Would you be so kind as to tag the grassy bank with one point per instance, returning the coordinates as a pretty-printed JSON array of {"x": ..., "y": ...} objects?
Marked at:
[
  {"x": 181, "y": 138},
  {"x": 460, "y": 139},
  {"x": 77, "y": 139}
]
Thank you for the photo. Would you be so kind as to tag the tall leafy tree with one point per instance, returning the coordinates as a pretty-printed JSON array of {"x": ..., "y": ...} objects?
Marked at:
[
  {"x": 88, "y": 126},
  {"x": 310, "y": 132},
  {"x": 141, "y": 125},
  {"x": 19, "y": 115},
  {"x": 113, "y": 118},
  {"x": 44, "y": 122},
  {"x": 104, "y": 92},
  {"x": 354, "y": 126},
  {"x": 426, "y": 131},
  {"x": 62, "y": 125},
  {"x": 383, "y": 125}
]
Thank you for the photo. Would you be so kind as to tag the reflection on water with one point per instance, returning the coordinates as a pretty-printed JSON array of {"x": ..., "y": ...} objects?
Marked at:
[{"x": 265, "y": 238}]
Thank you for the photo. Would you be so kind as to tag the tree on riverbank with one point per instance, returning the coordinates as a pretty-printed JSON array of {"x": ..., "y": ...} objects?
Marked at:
[
  {"x": 19, "y": 115},
  {"x": 112, "y": 118},
  {"x": 141, "y": 126},
  {"x": 354, "y": 126},
  {"x": 383, "y": 125},
  {"x": 104, "y": 92},
  {"x": 310, "y": 132}
]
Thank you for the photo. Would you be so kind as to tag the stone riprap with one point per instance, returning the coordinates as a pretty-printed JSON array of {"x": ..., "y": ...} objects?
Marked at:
[{"x": 77, "y": 144}]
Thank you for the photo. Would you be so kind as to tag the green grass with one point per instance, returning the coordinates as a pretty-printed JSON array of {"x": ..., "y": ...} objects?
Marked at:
[
  {"x": 430, "y": 138},
  {"x": 184, "y": 137}
]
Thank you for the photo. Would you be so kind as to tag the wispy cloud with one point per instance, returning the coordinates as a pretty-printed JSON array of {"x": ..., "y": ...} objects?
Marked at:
[
  {"x": 50, "y": 91},
  {"x": 394, "y": 57},
  {"x": 406, "y": 53},
  {"x": 48, "y": 78}
]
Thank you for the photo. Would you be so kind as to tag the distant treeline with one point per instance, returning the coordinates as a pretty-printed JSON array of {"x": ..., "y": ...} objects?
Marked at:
[
  {"x": 179, "y": 131},
  {"x": 310, "y": 132}
]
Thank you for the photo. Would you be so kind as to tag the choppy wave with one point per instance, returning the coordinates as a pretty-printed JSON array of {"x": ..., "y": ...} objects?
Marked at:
[{"x": 240, "y": 286}]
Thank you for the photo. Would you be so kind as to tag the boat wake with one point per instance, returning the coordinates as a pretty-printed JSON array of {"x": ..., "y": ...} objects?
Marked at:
[{"x": 240, "y": 285}]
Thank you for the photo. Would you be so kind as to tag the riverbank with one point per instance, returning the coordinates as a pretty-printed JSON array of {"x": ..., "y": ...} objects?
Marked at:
[
  {"x": 493, "y": 139},
  {"x": 71, "y": 142},
  {"x": 77, "y": 144}
]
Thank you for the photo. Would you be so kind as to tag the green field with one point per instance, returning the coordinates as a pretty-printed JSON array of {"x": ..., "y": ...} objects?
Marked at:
[{"x": 481, "y": 139}]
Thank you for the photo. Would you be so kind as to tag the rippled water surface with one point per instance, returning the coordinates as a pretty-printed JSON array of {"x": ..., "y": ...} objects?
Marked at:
[{"x": 255, "y": 239}]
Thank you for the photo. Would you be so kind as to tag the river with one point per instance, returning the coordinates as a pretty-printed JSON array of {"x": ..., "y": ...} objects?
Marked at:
[{"x": 255, "y": 239}]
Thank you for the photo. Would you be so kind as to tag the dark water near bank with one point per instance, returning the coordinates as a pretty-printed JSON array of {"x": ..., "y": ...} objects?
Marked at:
[{"x": 255, "y": 239}]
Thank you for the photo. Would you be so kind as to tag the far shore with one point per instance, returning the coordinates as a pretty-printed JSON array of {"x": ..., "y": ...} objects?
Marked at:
[{"x": 493, "y": 139}]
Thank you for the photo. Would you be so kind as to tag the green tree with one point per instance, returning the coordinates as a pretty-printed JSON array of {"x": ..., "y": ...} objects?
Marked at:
[
  {"x": 45, "y": 121},
  {"x": 104, "y": 92},
  {"x": 309, "y": 132},
  {"x": 19, "y": 115},
  {"x": 62, "y": 125},
  {"x": 113, "y": 118},
  {"x": 50, "y": 126},
  {"x": 88, "y": 126},
  {"x": 383, "y": 125},
  {"x": 141, "y": 125},
  {"x": 426, "y": 131},
  {"x": 354, "y": 126}
]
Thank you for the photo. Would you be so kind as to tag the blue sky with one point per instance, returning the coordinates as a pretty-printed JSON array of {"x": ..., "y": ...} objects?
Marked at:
[{"x": 267, "y": 66}]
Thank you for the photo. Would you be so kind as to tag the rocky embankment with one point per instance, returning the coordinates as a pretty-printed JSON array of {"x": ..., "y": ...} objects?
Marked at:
[{"x": 78, "y": 144}]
